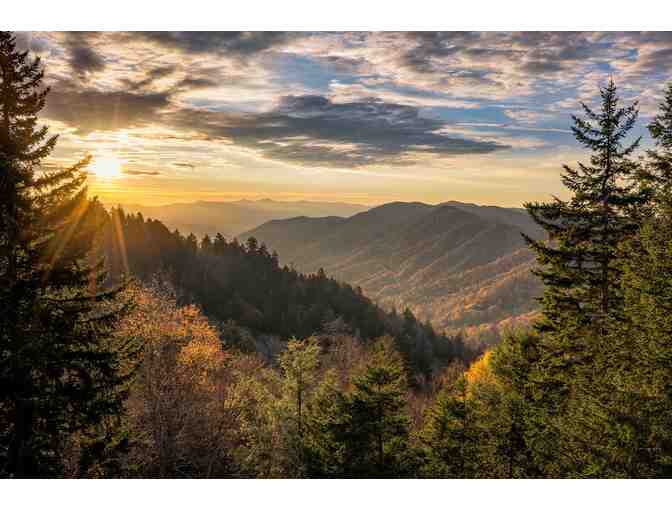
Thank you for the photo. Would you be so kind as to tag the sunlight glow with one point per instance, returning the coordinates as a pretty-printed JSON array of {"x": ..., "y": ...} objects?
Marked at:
[{"x": 106, "y": 167}]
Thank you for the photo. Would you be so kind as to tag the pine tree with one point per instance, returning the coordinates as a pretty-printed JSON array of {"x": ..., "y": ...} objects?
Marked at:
[
  {"x": 658, "y": 172},
  {"x": 373, "y": 422},
  {"x": 325, "y": 420},
  {"x": 635, "y": 437},
  {"x": 579, "y": 267},
  {"x": 62, "y": 376},
  {"x": 577, "y": 261},
  {"x": 299, "y": 365},
  {"x": 640, "y": 400},
  {"x": 499, "y": 410},
  {"x": 448, "y": 435},
  {"x": 513, "y": 363}
]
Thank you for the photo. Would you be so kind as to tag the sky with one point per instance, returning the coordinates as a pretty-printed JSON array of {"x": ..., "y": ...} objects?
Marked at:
[{"x": 363, "y": 117}]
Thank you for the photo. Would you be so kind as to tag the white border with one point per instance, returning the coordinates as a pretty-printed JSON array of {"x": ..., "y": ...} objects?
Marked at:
[
  {"x": 334, "y": 494},
  {"x": 335, "y": 15}
]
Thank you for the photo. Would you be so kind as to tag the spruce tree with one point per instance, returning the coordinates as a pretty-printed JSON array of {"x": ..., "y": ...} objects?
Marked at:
[
  {"x": 447, "y": 438},
  {"x": 62, "y": 376},
  {"x": 299, "y": 365},
  {"x": 658, "y": 171},
  {"x": 513, "y": 361},
  {"x": 636, "y": 437},
  {"x": 579, "y": 267},
  {"x": 577, "y": 261},
  {"x": 365, "y": 429},
  {"x": 640, "y": 401}
]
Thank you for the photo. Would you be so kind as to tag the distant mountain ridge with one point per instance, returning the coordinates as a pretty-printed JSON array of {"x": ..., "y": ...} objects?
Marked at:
[
  {"x": 457, "y": 265},
  {"x": 230, "y": 218}
]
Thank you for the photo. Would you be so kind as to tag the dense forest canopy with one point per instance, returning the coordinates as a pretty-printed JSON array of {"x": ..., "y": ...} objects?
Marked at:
[
  {"x": 216, "y": 361},
  {"x": 244, "y": 283}
]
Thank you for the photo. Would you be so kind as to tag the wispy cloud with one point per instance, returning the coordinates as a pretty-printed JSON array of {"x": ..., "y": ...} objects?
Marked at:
[{"x": 282, "y": 103}]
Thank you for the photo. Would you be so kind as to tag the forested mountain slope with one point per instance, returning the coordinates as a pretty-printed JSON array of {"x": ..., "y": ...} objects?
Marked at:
[
  {"x": 246, "y": 284},
  {"x": 457, "y": 265}
]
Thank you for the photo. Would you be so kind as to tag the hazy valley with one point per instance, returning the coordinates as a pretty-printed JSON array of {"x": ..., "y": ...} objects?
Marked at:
[
  {"x": 460, "y": 266},
  {"x": 230, "y": 218}
]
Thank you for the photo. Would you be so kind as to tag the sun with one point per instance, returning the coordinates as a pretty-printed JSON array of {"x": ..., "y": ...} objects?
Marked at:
[{"x": 106, "y": 167}]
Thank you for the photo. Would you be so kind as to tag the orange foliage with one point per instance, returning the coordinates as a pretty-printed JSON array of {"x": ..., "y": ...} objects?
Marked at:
[{"x": 177, "y": 406}]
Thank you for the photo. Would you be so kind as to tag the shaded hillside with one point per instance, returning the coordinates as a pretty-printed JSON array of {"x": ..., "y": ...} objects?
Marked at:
[
  {"x": 233, "y": 217},
  {"x": 245, "y": 283},
  {"x": 457, "y": 265}
]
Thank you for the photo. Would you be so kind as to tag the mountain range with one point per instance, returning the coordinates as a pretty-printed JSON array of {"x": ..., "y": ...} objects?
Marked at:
[
  {"x": 230, "y": 218},
  {"x": 459, "y": 266}
]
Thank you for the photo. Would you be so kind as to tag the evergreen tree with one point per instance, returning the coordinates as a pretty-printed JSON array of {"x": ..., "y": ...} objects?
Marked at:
[
  {"x": 373, "y": 422},
  {"x": 299, "y": 365},
  {"x": 513, "y": 363},
  {"x": 62, "y": 376},
  {"x": 448, "y": 437},
  {"x": 581, "y": 272},
  {"x": 578, "y": 260},
  {"x": 640, "y": 400},
  {"x": 499, "y": 413},
  {"x": 658, "y": 172},
  {"x": 636, "y": 406}
]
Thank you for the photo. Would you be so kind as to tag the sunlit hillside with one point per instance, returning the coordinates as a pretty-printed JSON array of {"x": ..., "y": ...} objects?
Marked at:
[{"x": 460, "y": 266}]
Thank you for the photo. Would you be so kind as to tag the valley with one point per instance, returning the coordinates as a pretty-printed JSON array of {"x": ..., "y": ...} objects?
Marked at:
[{"x": 459, "y": 266}]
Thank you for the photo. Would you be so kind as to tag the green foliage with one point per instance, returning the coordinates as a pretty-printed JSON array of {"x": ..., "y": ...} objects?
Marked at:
[
  {"x": 577, "y": 263},
  {"x": 580, "y": 268},
  {"x": 363, "y": 431},
  {"x": 658, "y": 172},
  {"x": 447, "y": 438},
  {"x": 299, "y": 365},
  {"x": 588, "y": 393},
  {"x": 639, "y": 389}
]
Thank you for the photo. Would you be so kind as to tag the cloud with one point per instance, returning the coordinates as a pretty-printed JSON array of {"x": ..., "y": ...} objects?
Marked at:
[
  {"x": 233, "y": 44},
  {"x": 89, "y": 109},
  {"x": 433, "y": 45},
  {"x": 141, "y": 172},
  {"x": 190, "y": 166},
  {"x": 542, "y": 66},
  {"x": 313, "y": 130},
  {"x": 36, "y": 43},
  {"x": 82, "y": 56},
  {"x": 498, "y": 65},
  {"x": 655, "y": 61},
  {"x": 528, "y": 116},
  {"x": 340, "y": 99},
  {"x": 151, "y": 76}
]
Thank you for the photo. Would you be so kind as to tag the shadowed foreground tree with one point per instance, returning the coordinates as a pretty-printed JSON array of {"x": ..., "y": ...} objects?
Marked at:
[
  {"x": 639, "y": 442},
  {"x": 62, "y": 377},
  {"x": 365, "y": 428}
]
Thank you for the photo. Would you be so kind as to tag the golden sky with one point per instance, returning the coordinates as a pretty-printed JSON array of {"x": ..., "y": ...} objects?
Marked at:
[{"x": 355, "y": 117}]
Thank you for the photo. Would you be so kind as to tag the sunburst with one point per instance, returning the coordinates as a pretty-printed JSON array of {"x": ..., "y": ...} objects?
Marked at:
[{"x": 106, "y": 167}]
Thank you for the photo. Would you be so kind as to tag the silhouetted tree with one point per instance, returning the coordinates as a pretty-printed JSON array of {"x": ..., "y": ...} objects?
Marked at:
[{"x": 62, "y": 375}]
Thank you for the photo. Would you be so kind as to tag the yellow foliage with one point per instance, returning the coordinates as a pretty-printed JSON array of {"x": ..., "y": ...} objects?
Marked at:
[
  {"x": 480, "y": 372},
  {"x": 179, "y": 400}
]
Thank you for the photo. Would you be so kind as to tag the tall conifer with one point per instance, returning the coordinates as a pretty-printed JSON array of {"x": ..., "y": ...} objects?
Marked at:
[
  {"x": 579, "y": 266},
  {"x": 61, "y": 374},
  {"x": 577, "y": 261}
]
